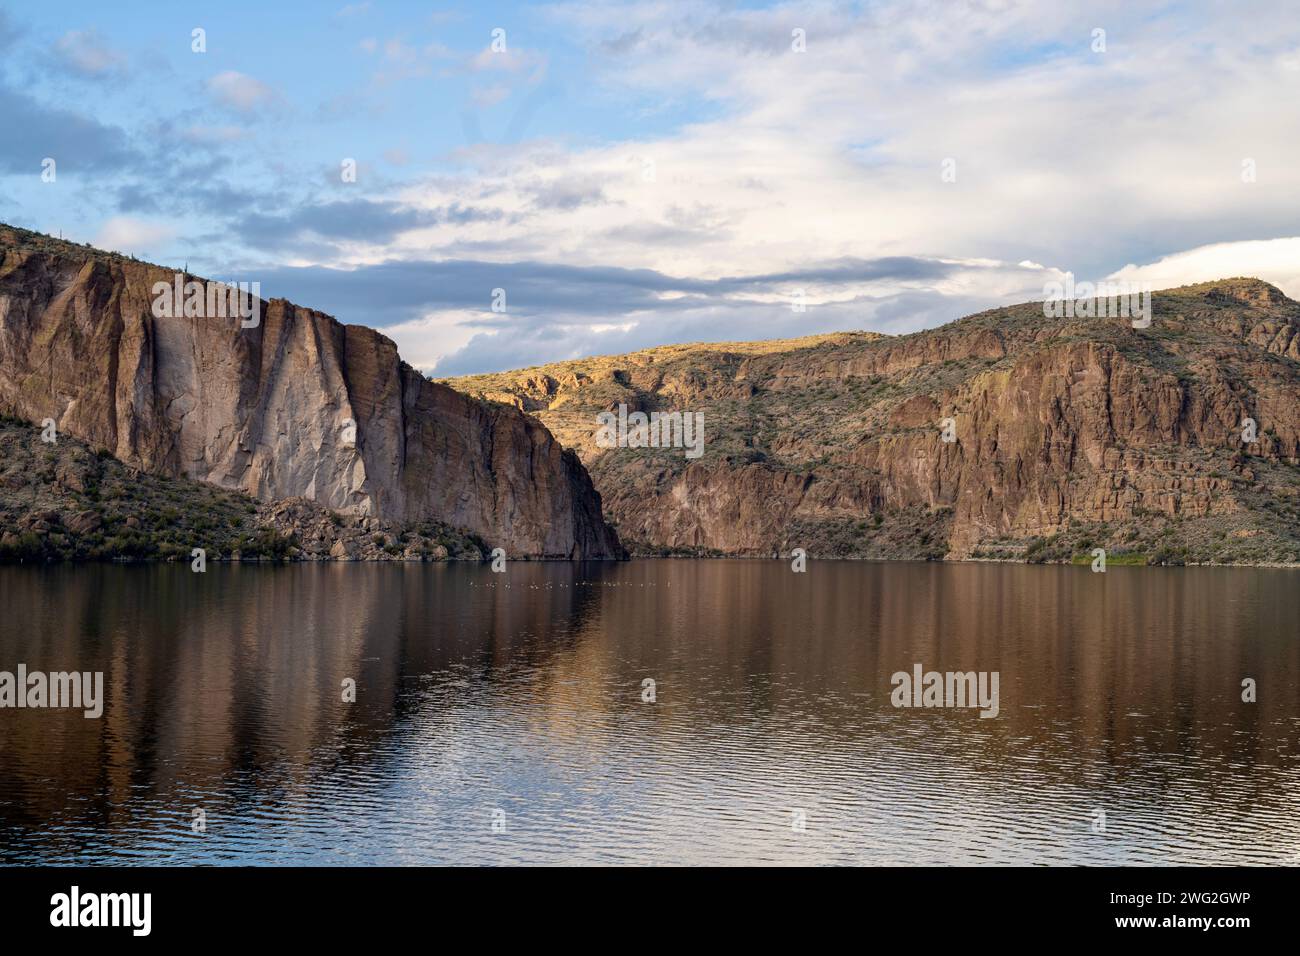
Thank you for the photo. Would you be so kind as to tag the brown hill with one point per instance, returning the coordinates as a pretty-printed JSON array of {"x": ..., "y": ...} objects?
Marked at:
[{"x": 1068, "y": 434}]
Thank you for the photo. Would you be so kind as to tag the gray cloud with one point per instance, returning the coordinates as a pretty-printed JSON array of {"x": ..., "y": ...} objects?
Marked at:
[
  {"x": 559, "y": 311},
  {"x": 529, "y": 344},
  {"x": 392, "y": 292},
  {"x": 9, "y": 31},
  {"x": 359, "y": 220},
  {"x": 851, "y": 270},
  {"x": 567, "y": 195},
  {"x": 653, "y": 233},
  {"x": 74, "y": 141}
]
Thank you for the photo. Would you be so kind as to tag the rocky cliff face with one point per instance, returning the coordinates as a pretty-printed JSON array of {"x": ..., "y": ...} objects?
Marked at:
[
  {"x": 297, "y": 406},
  {"x": 1066, "y": 434}
]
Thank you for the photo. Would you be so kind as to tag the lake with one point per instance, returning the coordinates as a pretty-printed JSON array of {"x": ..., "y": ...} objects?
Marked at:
[{"x": 507, "y": 717}]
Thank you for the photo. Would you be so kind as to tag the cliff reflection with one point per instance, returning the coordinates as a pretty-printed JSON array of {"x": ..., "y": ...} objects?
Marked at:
[{"x": 224, "y": 690}]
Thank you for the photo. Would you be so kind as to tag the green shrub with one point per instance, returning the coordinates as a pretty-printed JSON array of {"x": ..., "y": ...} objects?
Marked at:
[{"x": 28, "y": 547}]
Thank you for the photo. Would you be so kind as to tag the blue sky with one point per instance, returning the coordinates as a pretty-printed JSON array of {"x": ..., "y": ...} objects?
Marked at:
[
  {"x": 646, "y": 172},
  {"x": 385, "y": 84}
]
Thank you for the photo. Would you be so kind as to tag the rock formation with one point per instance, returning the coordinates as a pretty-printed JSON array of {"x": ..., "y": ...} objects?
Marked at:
[
  {"x": 299, "y": 405},
  {"x": 1066, "y": 434}
]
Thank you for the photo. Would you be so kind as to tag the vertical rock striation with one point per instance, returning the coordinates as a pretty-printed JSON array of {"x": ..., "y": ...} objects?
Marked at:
[
  {"x": 300, "y": 405},
  {"x": 1082, "y": 432}
]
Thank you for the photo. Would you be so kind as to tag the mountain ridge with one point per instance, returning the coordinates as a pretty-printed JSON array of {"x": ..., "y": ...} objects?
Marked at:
[{"x": 1068, "y": 432}]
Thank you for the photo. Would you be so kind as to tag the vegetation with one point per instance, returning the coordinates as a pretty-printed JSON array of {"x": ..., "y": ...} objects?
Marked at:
[
  {"x": 68, "y": 502},
  {"x": 854, "y": 415}
]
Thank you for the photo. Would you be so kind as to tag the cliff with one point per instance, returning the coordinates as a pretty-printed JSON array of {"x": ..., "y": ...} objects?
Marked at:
[
  {"x": 62, "y": 501},
  {"x": 1067, "y": 434},
  {"x": 297, "y": 406}
]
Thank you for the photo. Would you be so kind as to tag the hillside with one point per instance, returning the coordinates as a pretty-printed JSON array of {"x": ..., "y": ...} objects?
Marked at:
[
  {"x": 294, "y": 406},
  {"x": 64, "y": 501},
  {"x": 1069, "y": 434}
]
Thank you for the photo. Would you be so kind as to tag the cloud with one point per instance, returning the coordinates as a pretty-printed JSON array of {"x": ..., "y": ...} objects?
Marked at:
[
  {"x": 525, "y": 344},
  {"x": 440, "y": 312},
  {"x": 489, "y": 96},
  {"x": 1273, "y": 260},
  {"x": 401, "y": 61},
  {"x": 9, "y": 31},
  {"x": 213, "y": 135},
  {"x": 130, "y": 235},
  {"x": 509, "y": 60},
  {"x": 565, "y": 194},
  {"x": 499, "y": 67},
  {"x": 805, "y": 167},
  {"x": 358, "y": 221},
  {"x": 1088, "y": 159},
  {"x": 240, "y": 92},
  {"x": 87, "y": 53},
  {"x": 681, "y": 169},
  {"x": 77, "y": 143}
]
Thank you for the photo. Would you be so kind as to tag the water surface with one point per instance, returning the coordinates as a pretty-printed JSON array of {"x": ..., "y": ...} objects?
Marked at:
[{"x": 517, "y": 698}]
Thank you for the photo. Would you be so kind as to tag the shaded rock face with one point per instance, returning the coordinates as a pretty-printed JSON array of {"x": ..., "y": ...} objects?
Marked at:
[
  {"x": 835, "y": 444},
  {"x": 298, "y": 406}
]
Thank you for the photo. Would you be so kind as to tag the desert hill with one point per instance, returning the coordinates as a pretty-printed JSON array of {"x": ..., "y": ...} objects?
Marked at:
[{"x": 1068, "y": 434}]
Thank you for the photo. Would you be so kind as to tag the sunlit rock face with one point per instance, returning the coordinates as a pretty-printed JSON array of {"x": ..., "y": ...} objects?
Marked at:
[
  {"x": 296, "y": 405},
  {"x": 1081, "y": 432}
]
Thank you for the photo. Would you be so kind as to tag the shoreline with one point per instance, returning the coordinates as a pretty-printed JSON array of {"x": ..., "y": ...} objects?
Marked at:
[{"x": 633, "y": 557}]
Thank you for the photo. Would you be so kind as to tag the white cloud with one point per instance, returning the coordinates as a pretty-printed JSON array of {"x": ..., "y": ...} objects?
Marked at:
[
  {"x": 1273, "y": 260},
  {"x": 1077, "y": 160},
  {"x": 87, "y": 52},
  {"x": 509, "y": 60},
  {"x": 426, "y": 341},
  {"x": 128, "y": 234},
  {"x": 240, "y": 92},
  {"x": 402, "y": 61},
  {"x": 1064, "y": 159}
]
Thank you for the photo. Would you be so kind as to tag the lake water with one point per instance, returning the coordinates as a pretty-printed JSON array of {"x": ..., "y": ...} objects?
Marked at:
[{"x": 500, "y": 717}]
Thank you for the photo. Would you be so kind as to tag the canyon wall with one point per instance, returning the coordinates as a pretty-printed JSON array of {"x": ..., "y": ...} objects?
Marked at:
[
  {"x": 1086, "y": 430},
  {"x": 298, "y": 406}
]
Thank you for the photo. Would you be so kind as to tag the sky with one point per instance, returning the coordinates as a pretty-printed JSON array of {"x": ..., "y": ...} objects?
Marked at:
[{"x": 642, "y": 173}]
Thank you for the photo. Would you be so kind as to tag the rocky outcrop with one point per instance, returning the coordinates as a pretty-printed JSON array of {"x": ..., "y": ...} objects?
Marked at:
[
  {"x": 1065, "y": 433},
  {"x": 298, "y": 405},
  {"x": 60, "y": 501}
]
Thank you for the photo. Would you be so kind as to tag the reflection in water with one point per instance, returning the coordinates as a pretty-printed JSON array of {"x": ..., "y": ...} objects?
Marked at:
[{"x": 522, "y": 693}]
